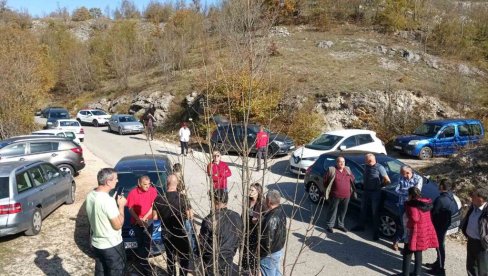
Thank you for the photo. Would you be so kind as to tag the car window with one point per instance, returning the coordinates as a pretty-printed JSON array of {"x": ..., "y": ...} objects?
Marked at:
[
  {"x": 364, "y": 139},
  {"x": 98, "y": 112},
  {"x": 324, "y": 142},
  {"x": 70, "y": 123},
  {"x": 39, "y": 147},
  {"x": 392, "y": 168},
  {"x": 4, "y": 187},
  {"x": 474, "y": 129},
  {"x": 13, "y": 150},
  {"x": 36, "y": 176},
  {"x": 50, "y": 171},
  {"x": 70, "y": 135},
  {"x": 350, "y": 142},
  {"x": 357, "y": 172},
  {"x": 329, "y": 162},
  {"x": 23, "y": 182},
  {"x": 427, "y": 130},
  {"x": 448, "y": 132},
  {"x": 60, "y": 134},
  {"x": 128, "y": 181},
  {"x": 463, "y": 130}
]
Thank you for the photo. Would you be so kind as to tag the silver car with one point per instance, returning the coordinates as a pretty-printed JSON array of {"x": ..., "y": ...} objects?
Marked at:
[
  {"x": 29, "y": 191},
  {"x": 125, "y": 123},
  {"x": 61, "y": 152}
]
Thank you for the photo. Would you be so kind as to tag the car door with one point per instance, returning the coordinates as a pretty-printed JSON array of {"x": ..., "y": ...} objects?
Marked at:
[
  {"x": 82, "y": 116},
  {"x": 234, "y": 136},
  {"x": 462, "y": 138},
  {"x": 54, "y": 178},
  {"x": 475, "y": 133},
  {"x": 45, "y": 189},
  {"x": 13, "y": 152},
  {"x": 365, "y": 143},
  {"x": 42, "y": 151},
  {"x": 445, "y": 142}
]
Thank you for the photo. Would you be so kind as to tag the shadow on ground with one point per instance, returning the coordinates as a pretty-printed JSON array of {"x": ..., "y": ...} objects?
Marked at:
[{"x": 50, "y": 265}]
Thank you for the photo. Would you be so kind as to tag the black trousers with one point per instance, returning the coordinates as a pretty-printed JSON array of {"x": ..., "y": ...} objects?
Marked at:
[
  {"x": 337, "y": 204},
  {"x": 143, "y": 238},
  {"x": 177, "y": 248},
  {"x": 477, "y": 259},
  {"x": 110, "y": 261},
  {"x": 224, "y": 266},
  {"x": 184, "y": 146},
  {"x": 407, "y": 258},
  {"x": 441, "y": 251}
]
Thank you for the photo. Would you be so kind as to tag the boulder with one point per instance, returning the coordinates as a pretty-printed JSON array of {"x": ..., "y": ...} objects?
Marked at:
[
  {"x": 279, "y": 31},
  {"x": 325, "y": 44}
]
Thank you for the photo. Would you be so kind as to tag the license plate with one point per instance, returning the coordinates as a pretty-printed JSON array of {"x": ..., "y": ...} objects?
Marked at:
[
  {"x": 452, "y": 231},
  {"x": 398, "y": 147},
  {"x": 128, "y": 245}
]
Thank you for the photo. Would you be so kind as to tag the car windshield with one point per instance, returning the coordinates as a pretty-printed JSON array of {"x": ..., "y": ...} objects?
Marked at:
[
  {"x": 98, "y": 112},
  {"x": 124, "y": 119},
  {"x": 4, "y": 187},
  {"x": 427, "y": 130},
  {"x": 128, "y": 181},
  {"x": 324, "y": 142},
  {"x": 70, "y": 135},
  {"x": 59, "y": 115}
]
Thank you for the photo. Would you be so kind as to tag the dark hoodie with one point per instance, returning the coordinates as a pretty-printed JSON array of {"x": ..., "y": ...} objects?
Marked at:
[{"x": 445, "y": 207}]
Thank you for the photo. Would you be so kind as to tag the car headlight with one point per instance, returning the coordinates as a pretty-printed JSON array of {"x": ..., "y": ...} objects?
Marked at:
[
  {"x": 279, "y": 143},
  {"x": 413, "y": 142}
]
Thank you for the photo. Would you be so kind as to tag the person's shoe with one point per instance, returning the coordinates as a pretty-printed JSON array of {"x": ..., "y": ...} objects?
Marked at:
[
  {"x": 330, "y": 230},
  {"x": 432, "y": 265},
  {"x": 342, "y": 228},
  {"x": 395, "y": 246},
  {"x": 358, "y": 228},
  {"x": 437, "y": 271}
]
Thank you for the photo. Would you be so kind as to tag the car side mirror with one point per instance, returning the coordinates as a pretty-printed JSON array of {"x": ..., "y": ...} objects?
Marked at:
[{"x": 342, "y": 147}]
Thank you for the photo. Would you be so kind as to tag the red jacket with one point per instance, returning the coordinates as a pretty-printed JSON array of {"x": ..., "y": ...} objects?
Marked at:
[
  {"x": 262, "y": 139},
  {"x": 219, "y": 173},
  {"x": 422, "y": 232}
]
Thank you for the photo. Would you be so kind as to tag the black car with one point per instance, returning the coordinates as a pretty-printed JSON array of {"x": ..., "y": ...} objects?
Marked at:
[
  {"x": 390, "y": 217},
  {"x": 231, "y": 137},
  {"x": 55, "y": 114},
  {"x": 129, "y": 169},
  {"x": 43, "y": 113}
]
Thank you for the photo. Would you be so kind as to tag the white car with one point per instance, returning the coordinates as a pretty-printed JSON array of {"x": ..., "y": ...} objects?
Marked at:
[
  {"x": 70, "y": 125},
  {"x": 56, "y": 132},
  {"x": 344, "y": 140},
  {"x": 96, "y": 117}
]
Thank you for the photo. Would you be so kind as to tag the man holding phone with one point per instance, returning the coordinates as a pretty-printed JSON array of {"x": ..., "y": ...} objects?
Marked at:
[{"x": 106, "y": 217}]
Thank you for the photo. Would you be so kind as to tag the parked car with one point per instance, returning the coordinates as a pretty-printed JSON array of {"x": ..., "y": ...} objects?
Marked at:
[
  {"x": 96, "y": 117},
  {"x": 440, "y": 137},
  {"x": 54, "y": 114},
  {"x": 343, "y": 140},
  {"x": 70, "y": 125},
  {"x": 129, "y": 169},
  {"x": 30, "y": 191},
  {"x": 389, "y": 214},
  {"x": 125, "y": 123},
  {"x": 230, "y": 138},
  {"x": 43, "y": 113},
  {"x": 61, "y": 152},
  {"x": 60, "y": 133}
]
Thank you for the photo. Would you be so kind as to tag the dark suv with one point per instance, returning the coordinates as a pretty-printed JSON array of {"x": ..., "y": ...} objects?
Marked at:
[
  {"x": 231, "y": 137},
  {"x": 54, "y": 114},
  {"x": 129, "y": 169},
  {"x": 390, "y": 217}
]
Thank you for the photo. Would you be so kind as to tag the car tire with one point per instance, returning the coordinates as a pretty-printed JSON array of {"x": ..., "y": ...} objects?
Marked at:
[
  {"x": 425, "y": 153},
  {"x": 109, "y": 129},
  {"x": 314, "y": 193},
  {"x": 388, "y": 225},
  {"x": 72, "y": 194},
  {"x": 35, "y": 224},
  {"x": 120, "y": 131},
  {"x": 95, "y": 123},
  {"x": 67, "y": 168}
]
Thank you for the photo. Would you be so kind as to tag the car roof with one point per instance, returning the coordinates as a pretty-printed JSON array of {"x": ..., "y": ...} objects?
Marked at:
[
  {"x": 7, "y": 167},
  {"x": 33, "y": 137},
  {"x": 348, "y": 132},
  {"x": 143, "y": 162},
  {"x": 55, "y": 131},
  {"x": 93, "y": 109},
  {"x": 57, "y": 109},
  {"x": 452, "y": 121},
  {"x": 358, "y": 156}
]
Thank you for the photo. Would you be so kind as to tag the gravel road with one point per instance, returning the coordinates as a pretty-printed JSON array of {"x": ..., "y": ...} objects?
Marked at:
[{"x": 62, "y": 246}]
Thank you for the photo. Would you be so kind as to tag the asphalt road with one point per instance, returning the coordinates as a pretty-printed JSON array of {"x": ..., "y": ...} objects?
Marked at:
[{"x": 309, "y": 250}]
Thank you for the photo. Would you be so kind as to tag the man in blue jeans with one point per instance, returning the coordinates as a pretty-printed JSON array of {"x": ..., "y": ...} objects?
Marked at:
[
  {"x": 273, "y": 235},
  {"x": 374, "y": 178}
]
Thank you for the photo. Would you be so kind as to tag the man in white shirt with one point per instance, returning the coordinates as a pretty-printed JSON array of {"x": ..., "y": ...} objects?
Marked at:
[
  {"x": 106, "y": 217},
  {"x": 475, "y": 228},
  {"x": 184, "y": 134}
]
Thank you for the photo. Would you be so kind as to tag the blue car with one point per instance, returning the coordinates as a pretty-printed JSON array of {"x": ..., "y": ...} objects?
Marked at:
[
  {"x": 440, "y": 137},
  {"x": 389, "y": 214},
  {"x": 129, "y": 169}
]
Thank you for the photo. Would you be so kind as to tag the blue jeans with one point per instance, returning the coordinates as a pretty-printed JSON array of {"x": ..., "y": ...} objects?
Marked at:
[
  {"x": 270, "y": 265},
  {"x": 400, "y": 233},
  {"x": 371, "y": 201},
  {"x": 191, "y": 236}
]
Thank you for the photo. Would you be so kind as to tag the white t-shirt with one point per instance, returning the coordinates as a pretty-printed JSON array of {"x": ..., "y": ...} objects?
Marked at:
[
  {"x": 100, "y": 209},
  {"x": 184, "y": 134}
]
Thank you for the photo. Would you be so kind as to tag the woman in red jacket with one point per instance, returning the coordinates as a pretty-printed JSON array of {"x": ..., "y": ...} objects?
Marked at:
[{"x": 420, "y": 230}]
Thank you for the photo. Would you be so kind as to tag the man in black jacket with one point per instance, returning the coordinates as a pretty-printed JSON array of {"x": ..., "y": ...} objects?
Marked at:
[
  {"x": 445, "y": 206},
  {"x": 273, "y": 235},
  {"x": 219, "y": 248},
  {"x": 475, "y": 228}
]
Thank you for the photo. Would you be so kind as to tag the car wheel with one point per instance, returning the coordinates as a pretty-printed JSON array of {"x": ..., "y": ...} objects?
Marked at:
[
  {"x": 388, "y": 225},
  {"x": 109, "y": 129},
  {"x": 67, "y": 169},
  {"x": 314, "y": 193},
  {"x": 36, "y": 223},
  {"x": 95, "y": 123},
  {"x": 120, "y": 131},
  {"x": 425, "y": 153},
  {"x": 72, "y": 194}
]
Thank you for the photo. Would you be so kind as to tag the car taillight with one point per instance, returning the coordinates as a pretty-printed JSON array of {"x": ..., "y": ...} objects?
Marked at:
[
  {"x": 9, "y": 209},
  {"x": 82, "y": 131},
  {"x": 78, "y": 150}
]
